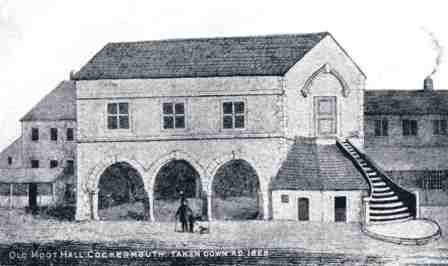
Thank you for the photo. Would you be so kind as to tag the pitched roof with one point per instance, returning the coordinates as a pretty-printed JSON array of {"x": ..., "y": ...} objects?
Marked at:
[
  {"x": 401, "y": 158},
  {"x": 59, "y": 104},
  {"x": 205, "y": 57},
  {"x": 405, "y": 102},
  {"x": 318, "y": 167}
]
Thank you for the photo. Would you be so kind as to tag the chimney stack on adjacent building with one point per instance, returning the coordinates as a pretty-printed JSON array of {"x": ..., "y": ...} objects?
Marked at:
[{"x": 428, "y": 84}]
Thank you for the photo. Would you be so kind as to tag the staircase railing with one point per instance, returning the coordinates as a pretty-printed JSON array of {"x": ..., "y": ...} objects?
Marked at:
[
  {"x": 350, "y": 157},
  {"x": 407, "y": 197},
  {"x": 365, "y": 200}
]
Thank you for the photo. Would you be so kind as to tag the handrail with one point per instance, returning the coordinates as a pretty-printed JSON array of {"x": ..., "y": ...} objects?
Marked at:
[
  {"x": 402, "y": 193},
  {"x": 366, "y": 177}
]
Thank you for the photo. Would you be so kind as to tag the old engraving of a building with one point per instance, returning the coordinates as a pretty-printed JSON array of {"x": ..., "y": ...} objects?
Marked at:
[{"x": 287, "y": 115}]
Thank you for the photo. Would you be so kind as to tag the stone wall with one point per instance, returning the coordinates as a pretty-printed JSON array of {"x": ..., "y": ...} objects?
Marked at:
[
  {"x": 321, "y": 205},
  {"x": 148, "y": 157},
  {"x": 326, "y": 70}
]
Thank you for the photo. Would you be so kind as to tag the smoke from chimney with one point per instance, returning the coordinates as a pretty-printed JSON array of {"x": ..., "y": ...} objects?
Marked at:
[{"x": 438, "y": 48}]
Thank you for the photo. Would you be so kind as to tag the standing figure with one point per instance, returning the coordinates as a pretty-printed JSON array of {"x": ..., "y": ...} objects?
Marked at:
[{"x": 185, "y": 214}]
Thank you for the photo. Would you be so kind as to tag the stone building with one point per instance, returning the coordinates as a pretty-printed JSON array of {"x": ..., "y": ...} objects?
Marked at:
[
  {"x": 406, "y": 133},
  {"x": 267, "y": 100},
  {"x": 38, "y": 168},
  {"x": 285, "y": 110}
]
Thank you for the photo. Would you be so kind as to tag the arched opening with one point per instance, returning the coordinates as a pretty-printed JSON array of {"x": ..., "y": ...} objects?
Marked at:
[
  {"x": 236, "y": 192},
  {"x": 122, "y": 195},
  {"x": 177, "y": 179}
]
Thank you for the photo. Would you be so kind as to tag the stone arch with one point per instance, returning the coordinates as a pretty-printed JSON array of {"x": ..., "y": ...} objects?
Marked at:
[
  {"x": 263, "y": 184},
  {"x": 217, "y": 163},
  {"x": 325, "y": 69},
  {"x": 91, "y": 185},
  {"x": 157, "y": 166},
  {"x": 174, "y": 156},
  {"x": 95, "y": 173}
]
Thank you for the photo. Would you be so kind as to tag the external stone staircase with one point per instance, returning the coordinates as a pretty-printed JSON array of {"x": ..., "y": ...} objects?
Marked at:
[
  {"x": 388, "y": 202},
  {"x": 390, "y": 211}
]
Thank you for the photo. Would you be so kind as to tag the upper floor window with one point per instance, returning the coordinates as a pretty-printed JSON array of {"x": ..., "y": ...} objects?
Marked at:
[
  {"x": 34, "y": 134},
  {"x": 410, "y": 127},
  {"x": 54, "y": 134},
  {"x": 34, "y": 163},
  {"x": 53, "y": 163},
  {"x": 439, "y": 127},
  {"x": 70, "y": 166},
  {"x": 381, "y": 127},
  {"x": 118, "y": 115},
  {"x": 173, "y": 115},
  {"x": 70, "y": 134},
  {"x": 10, "y": 160},
  {"x": 233, "y": 115}
]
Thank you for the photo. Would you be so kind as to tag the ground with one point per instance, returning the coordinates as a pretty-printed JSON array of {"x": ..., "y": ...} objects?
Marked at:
[{"x": 20, "y": 227}]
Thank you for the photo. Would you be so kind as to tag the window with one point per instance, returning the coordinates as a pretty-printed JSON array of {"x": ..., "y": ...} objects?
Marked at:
[
  {"x": 34, "y": 134},
  {"x": 118, "y": 116},
  {"x": 34, "y": 163},
  {"x": 70, "y": 135},
  {"x": 381, "y": 127},
  {"x": 53, "y": 163},
  {"x": 284, "y": 198},
  {"x": 173, "y": 115},
  {"x": 439, "y": 127},
  {"x": 54, "y": 134},
  {"x": 233, "y": 115},
  {"x": 70, "y": 167},
  {"x": 433, "y": 180},
  {"x": 410, "y": 127},
  {"x": 325, "y": 115},
  {"x": 9, "y": 160}
]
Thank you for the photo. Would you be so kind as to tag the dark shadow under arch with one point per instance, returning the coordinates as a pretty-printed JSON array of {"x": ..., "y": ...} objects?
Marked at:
[
  {"x": 176, "y": 180},
  {"x": 122, "y": 194},
  {"x": 236, "y": 192}
]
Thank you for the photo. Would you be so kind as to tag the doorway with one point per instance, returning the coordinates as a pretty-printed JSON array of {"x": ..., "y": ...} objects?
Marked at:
[
  {"x": 340, "y": 209},
  {"x": 303, "y": 206},
  {"x": 32, "y": 197},
  {"x": 325, "y": 115}
]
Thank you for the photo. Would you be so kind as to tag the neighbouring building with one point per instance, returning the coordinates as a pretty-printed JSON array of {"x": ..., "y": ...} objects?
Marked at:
[
  {"x": 38, "y": 168},
  {"x": 406, "y": 133},
  {"x": 276, "y": 102}
]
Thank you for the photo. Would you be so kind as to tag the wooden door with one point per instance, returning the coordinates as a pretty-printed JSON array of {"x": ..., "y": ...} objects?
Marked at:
[
  {"x": 303, "y": 209},
  {"x": 32, "y": 197},
  {"x": 340, "y": 209}
]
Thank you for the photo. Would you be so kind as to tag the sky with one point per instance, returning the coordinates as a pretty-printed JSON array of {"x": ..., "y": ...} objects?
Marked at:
[{"x": 42, "y": 41}]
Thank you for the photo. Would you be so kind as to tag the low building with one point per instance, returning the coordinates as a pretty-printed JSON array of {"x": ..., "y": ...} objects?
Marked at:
[
  {"x": 38, "y": 168},
  {"x": 406, "y": 133}
]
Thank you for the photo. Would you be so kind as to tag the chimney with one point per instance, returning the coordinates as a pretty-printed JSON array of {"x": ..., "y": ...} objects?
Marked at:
[{"x": 427, "y": 84}]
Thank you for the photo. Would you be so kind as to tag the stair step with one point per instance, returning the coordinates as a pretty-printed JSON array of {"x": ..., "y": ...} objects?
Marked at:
[
  {"x": 374, "y": 178},
  {"x": 379, "y": 184},
  {"x": 388, "y": 205},
  {"x": 389, "y": 217},
  {"x": 381, "y": 189},
  {"x": 402, "y": 209},
  {"x": 382, "y": 194},
  {"x": 367, "y": 169},
  {"x": 372, "y": 174},
  {"x": 389, "y": 198},
  {"x": 375, "y": 221}
]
